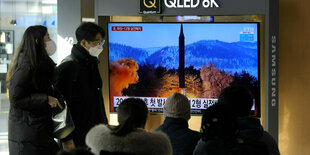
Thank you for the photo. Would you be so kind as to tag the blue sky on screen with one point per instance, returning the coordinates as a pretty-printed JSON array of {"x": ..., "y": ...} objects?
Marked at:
[{"x": 167, "y": 34}]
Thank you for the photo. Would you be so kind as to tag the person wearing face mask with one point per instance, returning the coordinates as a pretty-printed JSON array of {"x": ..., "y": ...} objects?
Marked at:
[
  {"x": 80, "y": 82},
  {"x": 50, "y": 47},
  {"x": 29, "y": 79}
]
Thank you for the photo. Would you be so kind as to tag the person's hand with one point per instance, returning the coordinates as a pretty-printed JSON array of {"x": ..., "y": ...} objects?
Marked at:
[
  {"x": 53, "y": 102},
  {"x": 68, "y": 145}
]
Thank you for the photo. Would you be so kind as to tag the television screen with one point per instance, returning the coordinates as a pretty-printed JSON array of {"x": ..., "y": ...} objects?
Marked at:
[{"x": 153, "y": 60}]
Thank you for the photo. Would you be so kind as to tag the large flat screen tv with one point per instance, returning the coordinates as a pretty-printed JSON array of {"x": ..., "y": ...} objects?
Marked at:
[{"x": 153, "y": 60}]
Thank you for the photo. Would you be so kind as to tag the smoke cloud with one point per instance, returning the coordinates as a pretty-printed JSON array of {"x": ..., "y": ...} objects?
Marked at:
[{"x": 123, "y": 72}]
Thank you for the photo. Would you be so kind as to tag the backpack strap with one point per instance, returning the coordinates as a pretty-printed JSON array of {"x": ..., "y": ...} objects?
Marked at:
[
  {"x": 67, "y": 58},
  {"x": 74, "y": 61}
]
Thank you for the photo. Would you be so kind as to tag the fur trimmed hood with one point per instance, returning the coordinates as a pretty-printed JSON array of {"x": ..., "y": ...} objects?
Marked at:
[{"x": 137, "y": 142}]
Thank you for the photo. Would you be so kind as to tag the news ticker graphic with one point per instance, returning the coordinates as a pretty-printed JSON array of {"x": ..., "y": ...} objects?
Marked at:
[
  {"x": 246, "y": 37},
  {"x": 247, "y": 34},
  {"x": 159, "y": 102},
  {"x": 126, "y": 28}
]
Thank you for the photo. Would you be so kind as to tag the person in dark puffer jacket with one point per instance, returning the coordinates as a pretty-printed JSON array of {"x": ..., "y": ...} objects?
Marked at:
[
  {"x": 177, "y": 114},
  {"x": 29, "y": 80},
  {"x": 219, "y": 131},
  {"x": 220, "y": 134},
  {"x": 251, "y": 130}
]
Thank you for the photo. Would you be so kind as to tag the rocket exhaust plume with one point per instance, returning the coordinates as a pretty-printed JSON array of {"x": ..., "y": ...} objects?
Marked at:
[{"x": 123, "y": 72}]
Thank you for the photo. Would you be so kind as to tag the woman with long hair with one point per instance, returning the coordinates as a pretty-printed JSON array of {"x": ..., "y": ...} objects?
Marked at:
[
  {"x": 129, "y": 137},
  {"x": 29, "y": 80}
]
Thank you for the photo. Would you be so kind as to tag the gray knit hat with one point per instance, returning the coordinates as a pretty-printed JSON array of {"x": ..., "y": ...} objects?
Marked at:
[{"x": 177, "y": 106}]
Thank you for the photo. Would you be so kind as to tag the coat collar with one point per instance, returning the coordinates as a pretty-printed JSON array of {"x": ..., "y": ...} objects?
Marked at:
[
  {"x": 182, "y": 123},
  {"x": 82, "y": 55}
]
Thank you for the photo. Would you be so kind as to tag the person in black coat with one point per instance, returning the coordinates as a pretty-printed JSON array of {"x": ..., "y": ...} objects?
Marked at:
[
  {"x": 220, "y": 134},
  {"x": 177, "y": 114},
  {"x": 251, "y": 130},
  {"x": 80, "y": 82},
  {"x": 219, "y": 131},
  {"x": 30, "y": 76}
]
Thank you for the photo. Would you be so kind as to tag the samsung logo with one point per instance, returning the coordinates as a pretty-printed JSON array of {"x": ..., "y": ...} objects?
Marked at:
[{"x": 274, "y": 92}]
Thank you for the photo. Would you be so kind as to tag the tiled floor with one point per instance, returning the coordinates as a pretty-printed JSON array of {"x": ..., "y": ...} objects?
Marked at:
[{"x": 4, "y": 110}]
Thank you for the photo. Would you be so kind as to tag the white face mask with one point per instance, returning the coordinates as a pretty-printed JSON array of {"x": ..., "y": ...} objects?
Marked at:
[
  {"x": 95, "y": 51},
  {"x": 50, "y": 47}
]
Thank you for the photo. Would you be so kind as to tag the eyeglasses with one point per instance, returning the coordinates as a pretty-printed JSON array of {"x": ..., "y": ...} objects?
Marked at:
[{"x": 97, "y": 42}]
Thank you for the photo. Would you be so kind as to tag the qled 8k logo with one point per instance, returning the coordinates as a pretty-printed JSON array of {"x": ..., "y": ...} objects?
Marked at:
[{"x": 191, "y": 3}]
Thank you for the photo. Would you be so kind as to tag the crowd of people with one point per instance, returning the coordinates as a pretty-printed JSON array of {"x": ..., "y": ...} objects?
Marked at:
[{"x": 33, "y": 78}]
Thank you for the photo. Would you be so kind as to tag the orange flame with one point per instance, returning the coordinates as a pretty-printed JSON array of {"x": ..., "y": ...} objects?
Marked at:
[{"x": 123, "y": 73}]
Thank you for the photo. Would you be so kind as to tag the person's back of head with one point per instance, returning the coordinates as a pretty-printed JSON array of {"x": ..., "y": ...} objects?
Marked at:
[
  {"x": 219, "y": 131},
  {"x": 240, "y": 97},
  {"x": 132, "y": 114},
  {"x": 177, "y": 106},
  {"x": 219, "y": 122}
]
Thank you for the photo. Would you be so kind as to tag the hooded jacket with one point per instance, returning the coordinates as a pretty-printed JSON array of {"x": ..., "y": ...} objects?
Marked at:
[
  {"x": 251, "y": 130},
  {"x": 100, "y": 138},
  {"x": 251, "y": 139}
]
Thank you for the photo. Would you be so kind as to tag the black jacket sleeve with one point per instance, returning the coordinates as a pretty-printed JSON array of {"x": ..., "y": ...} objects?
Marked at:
[
  {"x": 64, "y": 81},
  {"x": 21, "y": 91},
  {"x": 64, "y": 85}
]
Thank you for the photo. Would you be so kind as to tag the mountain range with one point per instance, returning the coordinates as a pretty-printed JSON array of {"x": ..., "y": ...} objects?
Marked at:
[{"x": 234, "y": 57}]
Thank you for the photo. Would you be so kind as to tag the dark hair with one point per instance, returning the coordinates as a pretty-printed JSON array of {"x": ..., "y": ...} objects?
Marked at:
[
  {"x": 88, "y": 32},
  {"x": 132, "y": 113},
  {"x": 32, "y": 50},
  {"x": 219, "y": 122},
  {"x": 238, "y": 96}
]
